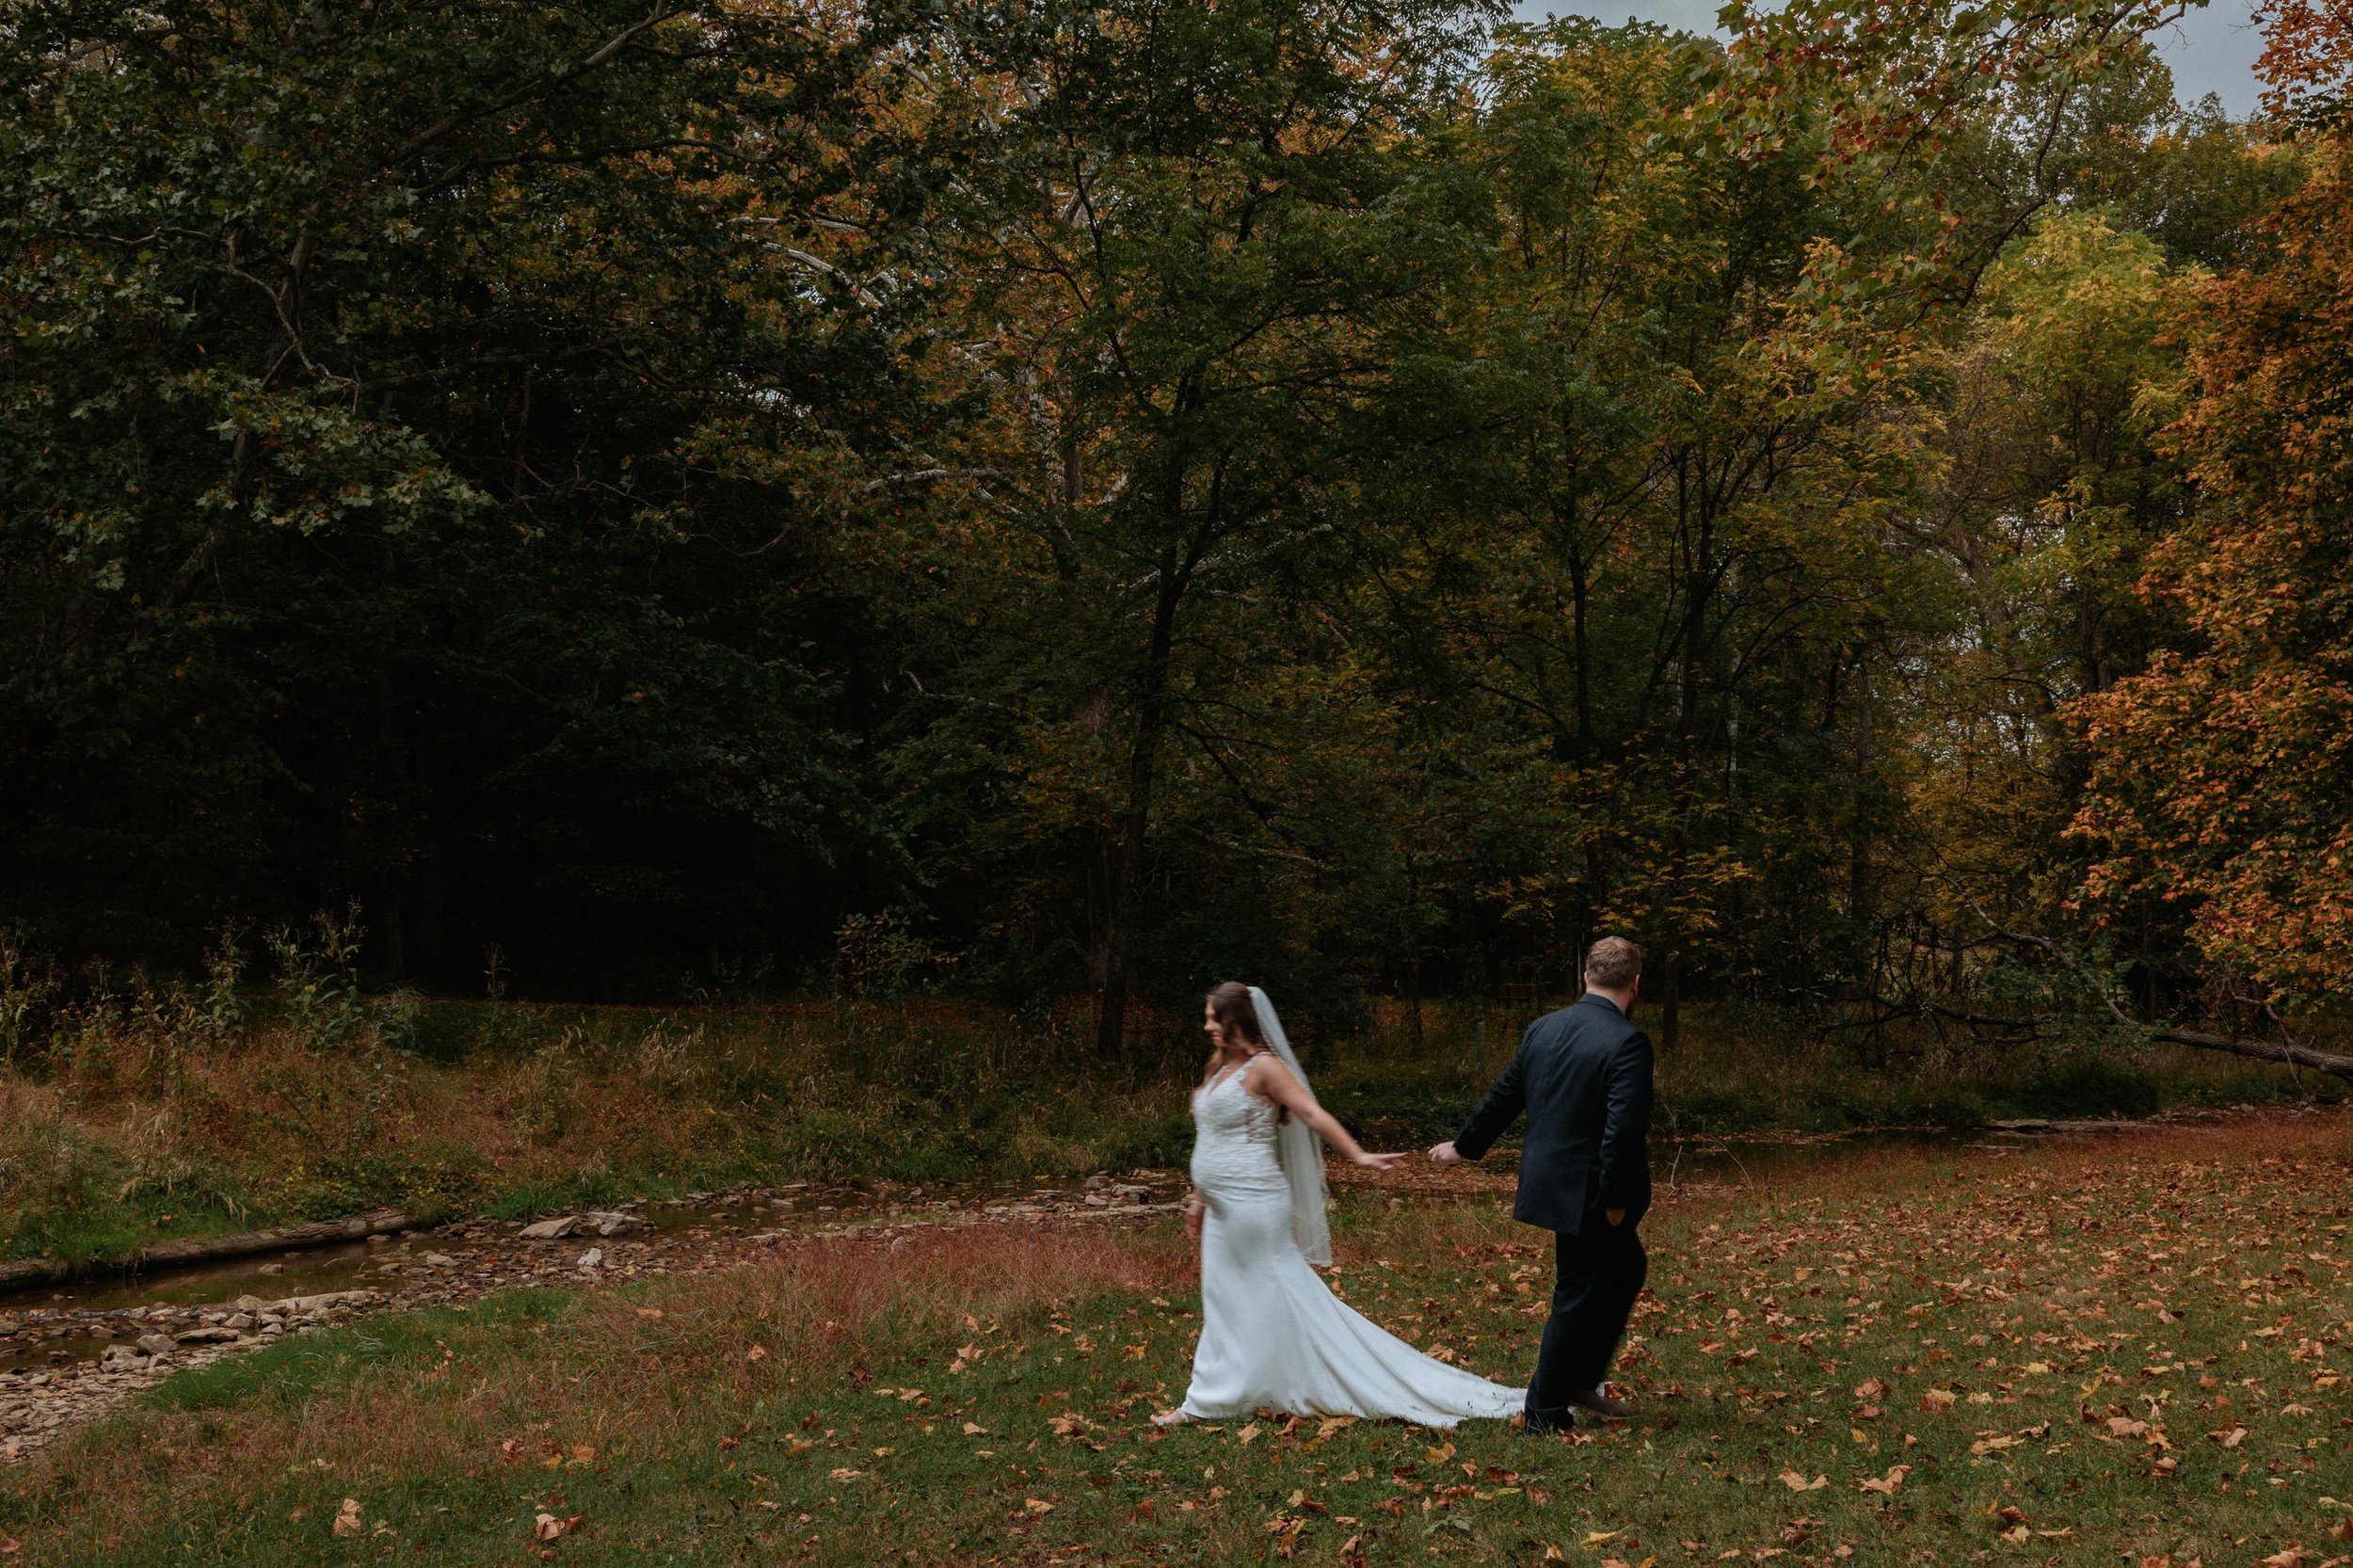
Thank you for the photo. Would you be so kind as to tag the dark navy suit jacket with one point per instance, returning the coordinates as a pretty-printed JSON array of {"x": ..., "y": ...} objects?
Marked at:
[{"x": 1583, "y": 1076}]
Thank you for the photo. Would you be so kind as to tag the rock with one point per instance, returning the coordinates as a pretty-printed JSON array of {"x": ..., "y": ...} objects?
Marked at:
[
  {"x": 251, "y": 1304},
  {"x": 1097, "y": 1182},
  {"x": 438, "y": 1259},
  {"x": 122, "y": 1355},
  {"x": 329, "y": 1299},
  {"x": 552, "y": 1230},
  {"x": 591, "y": 1260},
  {"x": 211, "y": 1334},
  {"x": 605, "y": 1222},
  {"x": 157, "y": 1344},
  {"x": 244, "y": 1320},
  {"x": 271, "y": 1268}
]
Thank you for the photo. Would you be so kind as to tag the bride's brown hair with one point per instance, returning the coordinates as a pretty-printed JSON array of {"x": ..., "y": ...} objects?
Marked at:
[{"x": 1235, "y": 1012}]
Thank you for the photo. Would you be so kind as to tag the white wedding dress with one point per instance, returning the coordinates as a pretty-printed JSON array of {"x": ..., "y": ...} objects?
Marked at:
[{"x": 1271, "y": 1332}]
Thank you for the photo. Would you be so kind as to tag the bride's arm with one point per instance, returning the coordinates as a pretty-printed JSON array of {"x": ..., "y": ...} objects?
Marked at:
[{"x": 1271, "y": 1081}]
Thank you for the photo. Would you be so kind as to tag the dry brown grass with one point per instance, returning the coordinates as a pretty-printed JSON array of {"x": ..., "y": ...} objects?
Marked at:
[{"x": 639, "y": 1376}]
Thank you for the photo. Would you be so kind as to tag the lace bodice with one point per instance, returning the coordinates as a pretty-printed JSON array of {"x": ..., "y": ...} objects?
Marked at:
[{"x": 1233, "y": 1136}]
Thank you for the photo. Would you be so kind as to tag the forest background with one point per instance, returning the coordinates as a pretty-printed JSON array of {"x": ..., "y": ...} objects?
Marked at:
[{"x": 739, "y": 504}]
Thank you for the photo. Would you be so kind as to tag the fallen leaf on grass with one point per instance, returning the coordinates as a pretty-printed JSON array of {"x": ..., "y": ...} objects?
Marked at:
[
  {"x": 1871, "y": 1391},
  {"x": 1937, "y": 1399},
  {"x": 547, "y": 1527},
  {"x": 973, "y": 1429},
  {"x": 1886, "y": 1486},
  {"x": 1797, "y": 1482},
  {"x": 1248, "y": 1434},
  {"x": 11, "y": 1546},
  {"x": 1037, "y": 1505},
  {"x": 347, "y": 1517},
  {"x": 2291, "y": 1558},
  {"x": 757, "y": 1352},
  {"x": 2230, "y": 1438},
  {"x": 2125, "y": 1426}
]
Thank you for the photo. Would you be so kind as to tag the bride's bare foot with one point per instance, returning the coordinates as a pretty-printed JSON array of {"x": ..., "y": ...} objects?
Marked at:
[{"x": 1170, "y": 1418}]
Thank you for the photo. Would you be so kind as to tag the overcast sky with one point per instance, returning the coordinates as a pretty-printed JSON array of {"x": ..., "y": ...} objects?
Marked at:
[{"x": 2212, "y": 50}]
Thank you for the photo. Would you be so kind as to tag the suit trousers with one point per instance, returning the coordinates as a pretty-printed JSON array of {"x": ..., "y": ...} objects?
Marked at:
[{"x": 1597, "y": 1274}]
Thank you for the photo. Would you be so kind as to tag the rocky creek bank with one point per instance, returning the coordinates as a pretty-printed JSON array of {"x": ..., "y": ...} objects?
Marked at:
[{"x": 69, "y": 1353}]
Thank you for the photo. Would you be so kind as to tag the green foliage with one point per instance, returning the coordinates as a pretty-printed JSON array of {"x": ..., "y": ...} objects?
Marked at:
[{"x": 743, "y": 502}]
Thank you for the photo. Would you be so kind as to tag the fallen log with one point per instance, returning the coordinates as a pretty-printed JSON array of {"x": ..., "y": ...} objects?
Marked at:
[
  {"x": 2265, "y": 1050},
  {"x": 208, "y": 1249},
  {"x": 2286, "y": 1051},
  {"x": 173, "y": 1254}
]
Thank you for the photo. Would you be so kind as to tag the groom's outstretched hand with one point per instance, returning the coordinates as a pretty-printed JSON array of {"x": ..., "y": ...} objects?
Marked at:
[{"x": 1446, "y": 1154}]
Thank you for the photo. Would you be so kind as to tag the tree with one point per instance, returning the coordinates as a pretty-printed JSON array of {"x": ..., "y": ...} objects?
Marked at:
[
  {"x": 419, "y": 427},
  {"x": 1176, "y": 241},
  {"x": 2222, "y": 776}
]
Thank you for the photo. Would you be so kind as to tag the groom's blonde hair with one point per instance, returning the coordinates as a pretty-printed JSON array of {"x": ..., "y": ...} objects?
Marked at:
[{"x": 1612, "y": 964}]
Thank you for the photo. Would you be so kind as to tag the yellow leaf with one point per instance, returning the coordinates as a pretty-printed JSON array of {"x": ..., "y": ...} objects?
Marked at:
[{"x": 1886, "y": 1486}]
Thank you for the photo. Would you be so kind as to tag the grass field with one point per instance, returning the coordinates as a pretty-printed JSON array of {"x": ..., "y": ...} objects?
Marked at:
[{"x": 2131, "y": 1349}]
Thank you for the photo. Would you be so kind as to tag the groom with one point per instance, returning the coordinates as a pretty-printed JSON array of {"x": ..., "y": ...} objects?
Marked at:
[{"x": 1583, "y": 1076}]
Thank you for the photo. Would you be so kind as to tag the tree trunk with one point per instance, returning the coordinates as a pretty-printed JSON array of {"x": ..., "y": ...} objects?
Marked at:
[
  {"x": 1111, "y": 1006},
  {"x": 1580, "y": 609},
  {"x": 1670, "y": 1000}
]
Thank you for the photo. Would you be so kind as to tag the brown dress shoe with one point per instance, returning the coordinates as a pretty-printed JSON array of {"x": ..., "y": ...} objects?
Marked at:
[{"x": 1601, "y": 1405}]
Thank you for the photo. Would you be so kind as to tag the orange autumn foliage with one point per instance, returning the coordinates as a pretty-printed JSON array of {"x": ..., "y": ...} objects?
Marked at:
[{"x": 2222, "y": 777}]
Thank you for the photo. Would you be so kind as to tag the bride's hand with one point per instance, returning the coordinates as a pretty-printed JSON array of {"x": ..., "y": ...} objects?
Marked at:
[
  {"x": 1193, "y": 1220},
  {"x": 1379, "y": 1162}
]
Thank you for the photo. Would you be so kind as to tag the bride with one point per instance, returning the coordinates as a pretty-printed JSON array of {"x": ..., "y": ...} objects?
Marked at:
[{"x": 1272, "y": 1332}]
